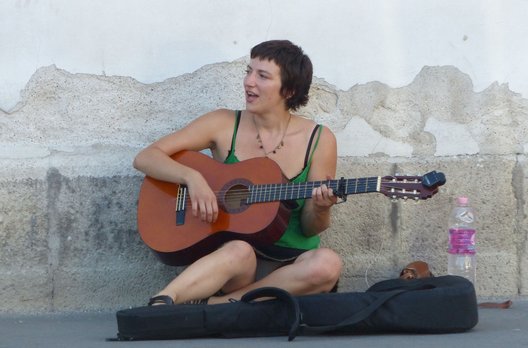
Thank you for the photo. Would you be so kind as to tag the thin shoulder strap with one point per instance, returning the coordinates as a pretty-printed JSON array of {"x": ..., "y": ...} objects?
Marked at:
[
  {"x": 238, "y": 113},
  {"x": 309, "y": 154}
]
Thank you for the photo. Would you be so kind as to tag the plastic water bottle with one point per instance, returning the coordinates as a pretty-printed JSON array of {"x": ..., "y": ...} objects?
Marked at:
[{"x": 462, "y": 259}]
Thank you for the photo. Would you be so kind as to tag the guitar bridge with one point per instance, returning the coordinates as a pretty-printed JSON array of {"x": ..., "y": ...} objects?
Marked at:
[{"x": 180, "y": 205}]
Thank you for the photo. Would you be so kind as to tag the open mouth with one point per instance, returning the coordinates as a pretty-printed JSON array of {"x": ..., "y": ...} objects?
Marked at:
[{"x": 250, "y": 96}]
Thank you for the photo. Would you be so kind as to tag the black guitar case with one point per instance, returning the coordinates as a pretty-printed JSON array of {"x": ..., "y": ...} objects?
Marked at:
[{"x": 429, "y": 305}]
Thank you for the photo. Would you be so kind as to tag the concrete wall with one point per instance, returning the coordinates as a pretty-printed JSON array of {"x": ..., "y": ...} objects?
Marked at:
[
  {"x": 68, "y": 192},
  {"x": 407, "y": 86},
  {"x": 350, "y": 42}
]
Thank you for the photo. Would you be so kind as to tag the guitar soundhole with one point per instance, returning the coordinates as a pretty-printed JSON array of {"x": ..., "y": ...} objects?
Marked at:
[{"x": 234, "y": 196}]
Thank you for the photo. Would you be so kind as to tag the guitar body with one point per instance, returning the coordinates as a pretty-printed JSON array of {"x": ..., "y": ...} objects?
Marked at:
[{"x": 181, "y": 244}]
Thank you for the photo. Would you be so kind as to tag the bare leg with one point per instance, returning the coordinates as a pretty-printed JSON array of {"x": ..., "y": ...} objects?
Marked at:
[
  {"x": 230, "y": 267},
  {"x": 315, "y": 271}
]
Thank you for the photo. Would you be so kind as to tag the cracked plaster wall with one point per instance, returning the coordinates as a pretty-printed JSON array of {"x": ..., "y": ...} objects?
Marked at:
[{"x": 68, "y": 192}]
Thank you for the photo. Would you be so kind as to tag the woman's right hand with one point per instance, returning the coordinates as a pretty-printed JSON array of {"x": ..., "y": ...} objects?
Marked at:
[{"x": 204, "y": 202}]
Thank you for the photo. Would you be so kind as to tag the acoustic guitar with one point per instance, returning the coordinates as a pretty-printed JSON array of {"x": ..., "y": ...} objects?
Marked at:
[{"x": 253, "y": 204}]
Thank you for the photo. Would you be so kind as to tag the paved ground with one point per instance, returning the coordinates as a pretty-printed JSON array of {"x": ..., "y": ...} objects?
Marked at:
[{"x": 496, "y": 328}]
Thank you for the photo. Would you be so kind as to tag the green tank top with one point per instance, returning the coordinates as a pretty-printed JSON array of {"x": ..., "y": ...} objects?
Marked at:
[{"x": 293, "y": 236}]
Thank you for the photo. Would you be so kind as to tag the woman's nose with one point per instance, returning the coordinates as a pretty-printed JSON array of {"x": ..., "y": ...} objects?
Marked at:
[{"x": 249, "y": 80}]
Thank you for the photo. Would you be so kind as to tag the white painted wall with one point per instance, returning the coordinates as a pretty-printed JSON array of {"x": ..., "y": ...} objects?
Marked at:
[{"x": 349, "y": 42}]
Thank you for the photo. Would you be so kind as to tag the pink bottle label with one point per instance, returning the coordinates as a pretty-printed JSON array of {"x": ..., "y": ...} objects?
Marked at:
[{"x": 461, "y": 241}]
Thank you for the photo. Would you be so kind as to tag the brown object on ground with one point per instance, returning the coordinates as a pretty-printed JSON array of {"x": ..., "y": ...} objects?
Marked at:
[
  {"x": 416, "y": 270},
  {"x": 500, "y": 305}
]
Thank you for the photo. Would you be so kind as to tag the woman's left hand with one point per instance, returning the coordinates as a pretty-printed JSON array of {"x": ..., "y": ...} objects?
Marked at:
[{"x": 323, "y": 197}]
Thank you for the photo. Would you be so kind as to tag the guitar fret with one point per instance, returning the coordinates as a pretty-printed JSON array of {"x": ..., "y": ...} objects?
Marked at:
[
  {"x": 298, "y": 190},
  {"x": 372, "y": 184},
  {"x": 362, "y": 185},
  {"x": 254, "y": 194},
  {"x": 265, "y": 193},
  {"x": 313, "y": 184},
  {"x": 251, "y": 198},
  {"x": 260, "y": 194},
  {"x": 368, "y": 185}
]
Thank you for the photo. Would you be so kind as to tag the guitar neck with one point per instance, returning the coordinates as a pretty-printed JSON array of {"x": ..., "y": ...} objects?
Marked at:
[{"x": 292, "y": 191}]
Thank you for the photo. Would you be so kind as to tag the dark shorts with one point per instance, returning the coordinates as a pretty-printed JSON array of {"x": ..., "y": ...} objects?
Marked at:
[
  {"x": 272, "y": 257},
  {"x": 278, "y": 253}
]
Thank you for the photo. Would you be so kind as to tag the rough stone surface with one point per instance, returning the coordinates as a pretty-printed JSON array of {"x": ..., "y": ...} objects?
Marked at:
[{"x": 68, "y": 192}]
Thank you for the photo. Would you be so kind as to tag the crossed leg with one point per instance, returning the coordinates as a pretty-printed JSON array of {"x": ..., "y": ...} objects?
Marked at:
[{"x": 232, "y": 269}]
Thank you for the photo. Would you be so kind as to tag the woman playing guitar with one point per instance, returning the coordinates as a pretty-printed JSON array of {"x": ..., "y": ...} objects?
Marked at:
[{"x": 276, "y": 84}]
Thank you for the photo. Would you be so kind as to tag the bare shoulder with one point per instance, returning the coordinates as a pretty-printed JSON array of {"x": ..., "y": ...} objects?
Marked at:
[
  {"x": 212, "y": 123},
  {"x": 308, "y": 125},
  {"x": 328, "y": 136},
  {"x": 216, "y": 117},
  {"x": 203, "y": 132},
  {"x": 324, "y": 161},
  {"x": 326, "y": 146}
]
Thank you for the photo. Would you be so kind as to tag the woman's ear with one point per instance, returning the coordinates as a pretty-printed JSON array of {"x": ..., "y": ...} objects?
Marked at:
[{"x": 288, "y": 94}]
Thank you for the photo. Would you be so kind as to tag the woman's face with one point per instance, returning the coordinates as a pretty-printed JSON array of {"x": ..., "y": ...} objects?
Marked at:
[{"x": 262, "y": 86}]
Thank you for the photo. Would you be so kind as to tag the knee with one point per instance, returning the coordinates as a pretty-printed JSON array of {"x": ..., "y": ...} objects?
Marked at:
[
  {"x": 325, "y": 268},
  {"x": 239, "y": 252}
]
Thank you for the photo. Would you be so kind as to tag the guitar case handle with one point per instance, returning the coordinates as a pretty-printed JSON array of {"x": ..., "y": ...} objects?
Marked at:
[{"x": 283, "y": 296}]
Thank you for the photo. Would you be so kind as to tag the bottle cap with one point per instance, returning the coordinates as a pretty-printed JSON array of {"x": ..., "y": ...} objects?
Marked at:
[{"x": 462, "y": 200}]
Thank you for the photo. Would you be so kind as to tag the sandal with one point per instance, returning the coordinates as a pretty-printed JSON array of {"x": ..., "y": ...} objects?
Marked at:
[
  {"x": 160, "y": 300},
  {"x": 201, "y": 301}
]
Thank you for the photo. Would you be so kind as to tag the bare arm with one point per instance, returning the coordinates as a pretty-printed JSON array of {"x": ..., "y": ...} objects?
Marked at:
[
  {"x": 316, "y": 212},
  {"x": 200, "y": 134}
]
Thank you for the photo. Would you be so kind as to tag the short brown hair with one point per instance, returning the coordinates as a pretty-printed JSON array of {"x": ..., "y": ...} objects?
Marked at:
[{"x": 295, "y": 66}]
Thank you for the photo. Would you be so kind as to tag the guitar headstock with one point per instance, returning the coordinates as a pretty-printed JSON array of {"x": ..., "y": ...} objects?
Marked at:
[{"x": 412, "y": 187}]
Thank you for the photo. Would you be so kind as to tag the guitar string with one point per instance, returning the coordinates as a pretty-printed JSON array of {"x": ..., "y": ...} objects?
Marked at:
[
  {"x": 301, "y": 186},
  {"x": 294, "y": 187},
  {"x": 268, "y": 188},
  {"x": 272, "y": 189},
  {"x": 237, "y": 194}
]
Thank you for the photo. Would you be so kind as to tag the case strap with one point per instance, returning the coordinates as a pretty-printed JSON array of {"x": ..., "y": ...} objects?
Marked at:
[
  {"x": 283, "y": 296},
  {"x": 356, "y": 317}
]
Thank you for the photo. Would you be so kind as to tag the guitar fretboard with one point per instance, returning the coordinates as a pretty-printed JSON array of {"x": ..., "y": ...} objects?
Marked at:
[{"x": 291, "y": 191}]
